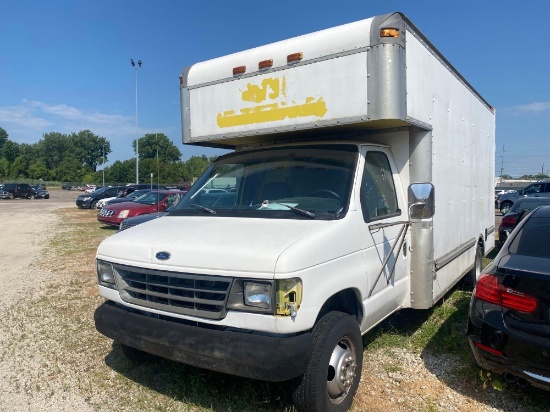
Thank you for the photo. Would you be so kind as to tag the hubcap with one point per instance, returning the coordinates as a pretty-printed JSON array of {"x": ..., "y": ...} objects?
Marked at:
[{"x": 341, "y": 370}]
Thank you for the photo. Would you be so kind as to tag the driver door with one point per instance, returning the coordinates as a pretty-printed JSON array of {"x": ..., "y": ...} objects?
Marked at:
[{"x": 385, "y": 236}]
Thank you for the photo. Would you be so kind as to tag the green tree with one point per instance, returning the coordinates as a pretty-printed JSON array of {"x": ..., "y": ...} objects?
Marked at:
[
  {"x": 38, "y": 170},
  {"x": 19, "y": 168},
  {"x": 153, "y": 142},
  {"x": 10, "y": 151},
  {"x": 4, "y": 168},
  {"x": 54, "y": 148},
  {"x": 3, "y": 138},
  {"x": 195, "y": 166},
  {"x": 88, "y": 148},
  {"x": 121, "y": 172}
]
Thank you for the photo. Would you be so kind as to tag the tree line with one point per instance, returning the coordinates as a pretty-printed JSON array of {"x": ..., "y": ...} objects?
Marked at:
[{"x": 75, "y": 157}]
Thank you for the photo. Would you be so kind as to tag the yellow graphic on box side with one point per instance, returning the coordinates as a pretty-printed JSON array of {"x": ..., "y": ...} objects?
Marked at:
[{"x": 270, "y": 89}]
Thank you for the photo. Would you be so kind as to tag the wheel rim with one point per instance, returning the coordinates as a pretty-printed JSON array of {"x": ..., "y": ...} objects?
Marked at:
[{"x": 341, "y": 370}]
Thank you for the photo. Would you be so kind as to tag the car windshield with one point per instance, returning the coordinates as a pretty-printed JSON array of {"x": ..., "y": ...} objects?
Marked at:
[
  {"x": 100, "y": 190},
  {"x": 150, "y": 198},
  {"x": 137, "y": 193},
  {"x": 297, "y": 182}
]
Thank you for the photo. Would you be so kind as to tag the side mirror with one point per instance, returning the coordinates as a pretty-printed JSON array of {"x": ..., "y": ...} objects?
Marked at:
[{"x": 421, "y": 201}]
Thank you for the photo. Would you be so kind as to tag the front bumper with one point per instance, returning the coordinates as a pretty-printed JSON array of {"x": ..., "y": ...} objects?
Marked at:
[
  {"x": 113, "y": 221},
  {"x": 235, "y": 352},
  {"x": 84, "y": 204}
]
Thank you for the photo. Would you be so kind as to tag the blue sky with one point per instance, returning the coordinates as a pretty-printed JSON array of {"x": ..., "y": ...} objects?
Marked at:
[{"x": 65, "y": 65}]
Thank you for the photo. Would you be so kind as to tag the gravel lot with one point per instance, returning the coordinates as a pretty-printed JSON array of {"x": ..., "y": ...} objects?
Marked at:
[{"x": 392, "y": 380}]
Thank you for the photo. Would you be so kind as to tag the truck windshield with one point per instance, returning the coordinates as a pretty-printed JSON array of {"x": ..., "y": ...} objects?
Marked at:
[{"x": 276, "y": 183}]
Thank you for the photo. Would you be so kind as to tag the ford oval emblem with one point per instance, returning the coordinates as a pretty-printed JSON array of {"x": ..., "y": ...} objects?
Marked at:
[{"x": 163, "y": 255}]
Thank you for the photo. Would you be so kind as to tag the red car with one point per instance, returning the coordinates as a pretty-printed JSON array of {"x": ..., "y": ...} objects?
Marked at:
[{"x": 150, "y": 202}]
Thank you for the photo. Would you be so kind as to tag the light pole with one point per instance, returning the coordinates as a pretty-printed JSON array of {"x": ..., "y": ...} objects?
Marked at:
[
  {"x": 136, "y": 68},
  {"x": 103, "y": 165}
]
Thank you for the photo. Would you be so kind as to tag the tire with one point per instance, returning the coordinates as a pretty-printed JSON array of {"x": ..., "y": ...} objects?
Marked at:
[
  {"x": 505, "y": 206},
  {"x": 136, "y": 355},
  {"x": 334, "y": 370},
  {"x": 93, "y": 205},
  {"x": 10, "y": 196},
  {"x": 470, "y": 279}
]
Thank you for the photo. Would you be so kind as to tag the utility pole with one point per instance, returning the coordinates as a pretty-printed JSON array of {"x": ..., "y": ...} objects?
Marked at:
[
  {"x": 137, "y": 135},
  {"x": 502, "y": 163}
]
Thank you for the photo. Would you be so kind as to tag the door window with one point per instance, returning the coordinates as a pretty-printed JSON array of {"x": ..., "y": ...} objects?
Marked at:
[{"x": 378, "y": 197}]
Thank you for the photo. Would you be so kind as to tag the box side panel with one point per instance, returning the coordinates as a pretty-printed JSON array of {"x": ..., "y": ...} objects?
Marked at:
[
  {"x": 463, "y": 143},
  {"x": 328, "y": 92}
]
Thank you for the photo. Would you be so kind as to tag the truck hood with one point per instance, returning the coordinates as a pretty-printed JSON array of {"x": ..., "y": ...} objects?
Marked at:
[{"x": 212, "y": 245}]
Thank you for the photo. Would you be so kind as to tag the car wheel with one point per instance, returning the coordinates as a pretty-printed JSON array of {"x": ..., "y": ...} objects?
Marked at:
[
  {"x": 10, "y": 196},
  {"x": 470, "y": 279},
  {"x": 93, "y": 205},
  {"x": 334, "y": 369},
  {"x": 136, "y": 355},
  {"x": 505, "y": 207}
]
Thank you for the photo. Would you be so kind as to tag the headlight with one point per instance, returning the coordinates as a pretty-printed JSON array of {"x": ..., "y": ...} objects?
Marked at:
[
  {"x": 257, "y": 295},
  {"x": 86, "y": 198},
  {"x": 105, "y": 274},
  {"x": 123, "y": 214}
]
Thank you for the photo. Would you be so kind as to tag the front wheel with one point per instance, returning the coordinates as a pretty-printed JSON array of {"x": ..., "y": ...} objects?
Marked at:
[
  {"x": 334, "y": 370},
  {"x": 93, "y": 205}
]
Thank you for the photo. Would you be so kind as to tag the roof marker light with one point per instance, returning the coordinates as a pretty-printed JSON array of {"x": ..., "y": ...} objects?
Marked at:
[
  {"x": 265, "y": 64},
  {"x": 389, "y": 33},
  {"x": 294, "y": 57},
  {"x": 239, "y": 70}
]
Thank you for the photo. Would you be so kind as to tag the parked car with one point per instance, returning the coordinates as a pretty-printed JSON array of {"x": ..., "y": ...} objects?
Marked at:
[
  {"x": 89, "y": 200},
  {"x": 121, "y": 198},
  {"x": 138, "y": 220},
  {"x": 538, "y": 189},
  {"x": 128, "y": 198},
  {"x": 66, "y": 187},
  {"x": 520, "y": 207},
  {"x": 509, "y": 318},
  {"x": 18, "y": 190},
  {"x": 142, "y": 186},
  {"x": 38, "y": 192},
  {"x": 91, "y": 188},
  {"x": 4, "y": 194},
  {"x": 151, "y": 202}
]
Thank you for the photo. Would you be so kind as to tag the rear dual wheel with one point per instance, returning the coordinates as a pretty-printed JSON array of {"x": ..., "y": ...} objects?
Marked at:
[{"x": 334, "y": 370}]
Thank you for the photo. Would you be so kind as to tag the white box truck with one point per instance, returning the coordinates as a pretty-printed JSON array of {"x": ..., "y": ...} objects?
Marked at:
[{"x": 363, "y": 167}]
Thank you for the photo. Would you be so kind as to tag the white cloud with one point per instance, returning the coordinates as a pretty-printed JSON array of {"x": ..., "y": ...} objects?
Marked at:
[
  {"x": 29, "y": 120},
  {"x": 530, "y": 108}
]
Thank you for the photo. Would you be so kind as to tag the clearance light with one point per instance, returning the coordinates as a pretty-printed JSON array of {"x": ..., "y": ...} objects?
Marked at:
[
  {"x": 265, "y": 64},
  {"x": 294, "y": 57},
  {"x": 389, "y": 33},
  {"x": 239, "y": 70}
]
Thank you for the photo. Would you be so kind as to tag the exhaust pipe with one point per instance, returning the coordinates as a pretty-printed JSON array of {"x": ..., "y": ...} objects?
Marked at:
[
  {"x": 523, "y": 383},
  {"x": 510, "y": 378}
]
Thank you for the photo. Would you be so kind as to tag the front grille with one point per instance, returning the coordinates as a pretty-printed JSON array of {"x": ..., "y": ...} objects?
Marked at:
[
  {"x": 106, "y": 212},
  {"x": 181, "y": 293}
]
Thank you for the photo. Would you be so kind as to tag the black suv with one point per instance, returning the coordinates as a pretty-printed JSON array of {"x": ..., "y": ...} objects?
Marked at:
[
  {"x": 22, "y": 190},
  {"x": 89, "y": 200}
]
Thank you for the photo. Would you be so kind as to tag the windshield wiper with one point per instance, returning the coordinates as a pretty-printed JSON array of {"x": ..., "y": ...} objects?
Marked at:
[
  {"x": 204, "y": 209},
  {"x": 293, "y": 208}
]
